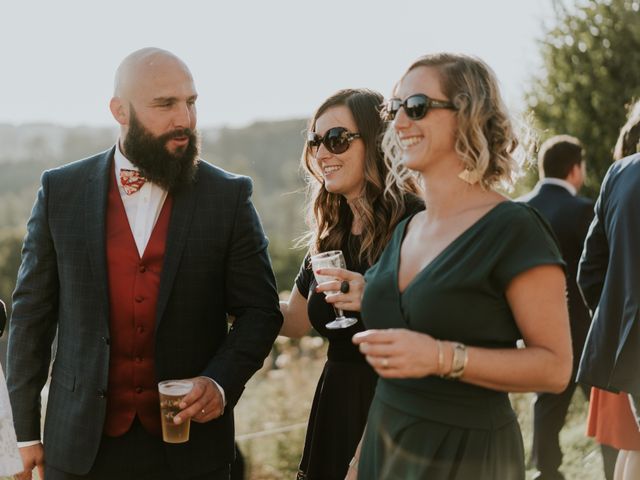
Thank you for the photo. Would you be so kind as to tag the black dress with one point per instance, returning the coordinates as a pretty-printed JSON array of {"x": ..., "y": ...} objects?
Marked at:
[
  {"x": 345, "y": 389},
  {"x": 347, "y": 384},
  {"x": 437, "y": 429}
]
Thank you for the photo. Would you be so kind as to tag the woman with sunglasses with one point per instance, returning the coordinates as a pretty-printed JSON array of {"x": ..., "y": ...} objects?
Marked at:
[
  {"x": 456, "y": 287},
  {"x": 349, "y": 208}
]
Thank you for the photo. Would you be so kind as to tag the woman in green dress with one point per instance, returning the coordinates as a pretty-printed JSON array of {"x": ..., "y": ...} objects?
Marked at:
[{"x": 455, "y": 289}]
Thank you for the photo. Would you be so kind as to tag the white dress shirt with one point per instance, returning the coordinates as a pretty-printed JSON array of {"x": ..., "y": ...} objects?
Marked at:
[
  {"x": 143, "y": 207},
  {"x": 561, "y": 183}
]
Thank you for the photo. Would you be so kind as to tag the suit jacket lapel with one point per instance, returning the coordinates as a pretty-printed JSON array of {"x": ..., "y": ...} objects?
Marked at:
[
  {"x": 184, "y": 203},
  {"x": 95, "y": 207}
]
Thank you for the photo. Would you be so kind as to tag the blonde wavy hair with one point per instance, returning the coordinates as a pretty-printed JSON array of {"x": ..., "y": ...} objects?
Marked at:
[
  {"x": 485, "y": 139},
  {"x": 382, "y": 203}
]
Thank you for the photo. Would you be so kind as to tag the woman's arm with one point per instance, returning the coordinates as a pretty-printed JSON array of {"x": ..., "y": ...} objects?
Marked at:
[
  {"x": 296, "y": 318},
  {"x": 538, "y": 301}
]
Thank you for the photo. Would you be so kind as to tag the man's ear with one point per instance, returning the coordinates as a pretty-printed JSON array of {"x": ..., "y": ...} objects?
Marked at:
[
  {"x": 576, "y": 177},
  {"x": 119, "y": 111}
]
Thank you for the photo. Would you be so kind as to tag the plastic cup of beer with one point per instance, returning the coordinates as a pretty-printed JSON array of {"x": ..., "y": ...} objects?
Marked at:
[{"x": 171, "y": 394}]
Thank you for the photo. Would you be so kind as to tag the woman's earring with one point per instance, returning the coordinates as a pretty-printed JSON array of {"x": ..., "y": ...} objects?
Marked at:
[{"x": 471, "y": 177}]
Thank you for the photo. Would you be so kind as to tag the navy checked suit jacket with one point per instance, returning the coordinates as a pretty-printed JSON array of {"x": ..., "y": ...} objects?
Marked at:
[
  {"x": 216, "y": 263},
  {"x": 609, "y": 276}
]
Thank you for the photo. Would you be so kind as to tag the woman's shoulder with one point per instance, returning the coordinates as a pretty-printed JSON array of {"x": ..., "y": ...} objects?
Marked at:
[
  {"x": 512, "y": 221},
  {"x": 517, "y": 214},
  {"x": 519, "y": 223}
]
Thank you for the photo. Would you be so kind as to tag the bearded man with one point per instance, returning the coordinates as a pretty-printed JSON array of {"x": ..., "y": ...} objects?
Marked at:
[{"x": 135, "y": 257}]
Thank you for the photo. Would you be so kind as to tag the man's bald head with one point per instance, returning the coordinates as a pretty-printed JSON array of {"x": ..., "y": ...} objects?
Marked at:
[
  {"x": 138, "y": 66},
  {"x": 158, "y": 87}
]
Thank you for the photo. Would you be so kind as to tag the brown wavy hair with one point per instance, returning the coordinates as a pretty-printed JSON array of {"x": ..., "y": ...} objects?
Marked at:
[
  {"x": 380, "y": 206},
  {"x": 485, "y": 139}
]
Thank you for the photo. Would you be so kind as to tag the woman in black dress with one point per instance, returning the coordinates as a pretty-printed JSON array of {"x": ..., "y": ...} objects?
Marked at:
[
  {"x": 456, "y": 287},
  {"x": 350, "y": 207}
]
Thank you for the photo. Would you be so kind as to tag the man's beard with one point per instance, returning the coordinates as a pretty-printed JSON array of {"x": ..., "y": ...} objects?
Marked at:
[{"x": 171, "y": 171}]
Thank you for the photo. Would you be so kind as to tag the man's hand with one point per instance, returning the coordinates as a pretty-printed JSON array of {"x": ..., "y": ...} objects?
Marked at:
[
  {"x": 202, "y": 404},
  {"x": 32, "y": 457}
]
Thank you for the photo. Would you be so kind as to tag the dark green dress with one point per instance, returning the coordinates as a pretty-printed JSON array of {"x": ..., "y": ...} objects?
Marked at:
[{"x": 432, "y": 428}]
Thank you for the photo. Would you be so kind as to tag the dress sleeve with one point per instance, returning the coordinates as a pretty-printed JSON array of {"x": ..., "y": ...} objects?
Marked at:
[
  {"x": 528, "y": 242},
  {"x": 305, "y": 276}
]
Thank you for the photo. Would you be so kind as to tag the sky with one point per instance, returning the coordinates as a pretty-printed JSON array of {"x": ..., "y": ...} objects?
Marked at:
[{"x": 251, "y": 60}]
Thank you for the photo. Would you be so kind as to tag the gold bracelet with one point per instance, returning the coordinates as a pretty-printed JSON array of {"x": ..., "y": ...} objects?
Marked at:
[
  {"x": 440, "y": 357},
  {"x": 459, "y": 362}
]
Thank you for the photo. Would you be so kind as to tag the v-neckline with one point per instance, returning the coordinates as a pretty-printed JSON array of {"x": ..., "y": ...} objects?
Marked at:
[{"x": 440, "y": 254}]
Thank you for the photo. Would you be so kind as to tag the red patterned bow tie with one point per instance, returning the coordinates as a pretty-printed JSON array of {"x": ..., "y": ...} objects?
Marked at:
[{"x": 131, "y": 180}]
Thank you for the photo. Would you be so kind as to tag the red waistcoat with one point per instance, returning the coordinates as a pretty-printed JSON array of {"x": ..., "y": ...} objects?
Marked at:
[{"x": 134, "y": 284}]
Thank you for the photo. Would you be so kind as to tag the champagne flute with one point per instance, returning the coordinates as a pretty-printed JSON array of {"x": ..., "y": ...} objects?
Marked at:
[{"x": 331, "y": 259}]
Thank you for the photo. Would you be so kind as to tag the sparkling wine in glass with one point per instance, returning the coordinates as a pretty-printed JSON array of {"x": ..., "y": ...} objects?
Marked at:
[{"x": 331, "y": 259}]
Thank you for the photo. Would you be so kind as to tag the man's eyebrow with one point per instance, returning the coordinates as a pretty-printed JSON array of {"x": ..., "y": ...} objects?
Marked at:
[
  {"x": 169, "y": 100},
  {"x": 164, "y": 100}
]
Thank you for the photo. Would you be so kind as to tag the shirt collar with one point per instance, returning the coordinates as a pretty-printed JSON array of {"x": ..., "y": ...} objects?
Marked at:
[{"x": 561, "y": 183}]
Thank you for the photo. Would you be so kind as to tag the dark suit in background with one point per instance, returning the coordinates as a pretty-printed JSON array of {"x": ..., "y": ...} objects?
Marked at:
[
  {"x": 569, "y": 217},
  {"x": 562, "y": 172}
]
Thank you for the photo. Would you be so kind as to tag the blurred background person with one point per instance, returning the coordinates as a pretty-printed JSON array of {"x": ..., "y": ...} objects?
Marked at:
[
  {"x": 611, "y": 419},
  {"x": 348, "y": 209},
  {"x": 456, "y": 287},
  {"x": 10, "y": 460},
  {"x": 562, "y": 171}
]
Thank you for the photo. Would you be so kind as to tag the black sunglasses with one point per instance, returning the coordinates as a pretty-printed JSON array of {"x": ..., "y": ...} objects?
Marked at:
[
  {"x": 415, "y": 106},
  {"x": 337, "y": 140}
]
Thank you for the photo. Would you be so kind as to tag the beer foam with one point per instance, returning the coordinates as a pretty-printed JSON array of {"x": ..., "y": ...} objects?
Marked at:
[{"x": 175, "y": 388}]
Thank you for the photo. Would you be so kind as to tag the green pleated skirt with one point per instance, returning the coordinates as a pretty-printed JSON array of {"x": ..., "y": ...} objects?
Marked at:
[{"x": 401, "y": 446}]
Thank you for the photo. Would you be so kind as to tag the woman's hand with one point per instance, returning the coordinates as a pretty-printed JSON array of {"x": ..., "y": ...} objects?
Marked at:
[
  {"x": 349, "y": 284},
  {"x": 400, "y": 353}
]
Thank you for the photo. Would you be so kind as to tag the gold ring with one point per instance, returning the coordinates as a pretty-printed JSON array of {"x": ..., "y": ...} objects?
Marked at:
[
  {"x": 202, "y": 411},
  {"x": 385, "y": 362}
]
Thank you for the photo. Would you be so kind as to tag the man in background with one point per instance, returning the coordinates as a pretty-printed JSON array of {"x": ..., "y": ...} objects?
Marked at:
[{"x": 562, "y": 173}]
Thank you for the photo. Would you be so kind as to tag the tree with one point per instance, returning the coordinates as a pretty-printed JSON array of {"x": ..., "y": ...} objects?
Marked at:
[{"x": 590, "y": 74}]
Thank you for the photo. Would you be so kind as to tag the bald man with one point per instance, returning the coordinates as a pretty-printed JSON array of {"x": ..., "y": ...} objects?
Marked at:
[{"x": 136, "y": 257}]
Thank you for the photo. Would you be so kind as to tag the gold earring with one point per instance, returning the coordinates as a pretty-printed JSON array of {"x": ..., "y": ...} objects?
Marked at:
[{"x": 469, "y": 176}]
